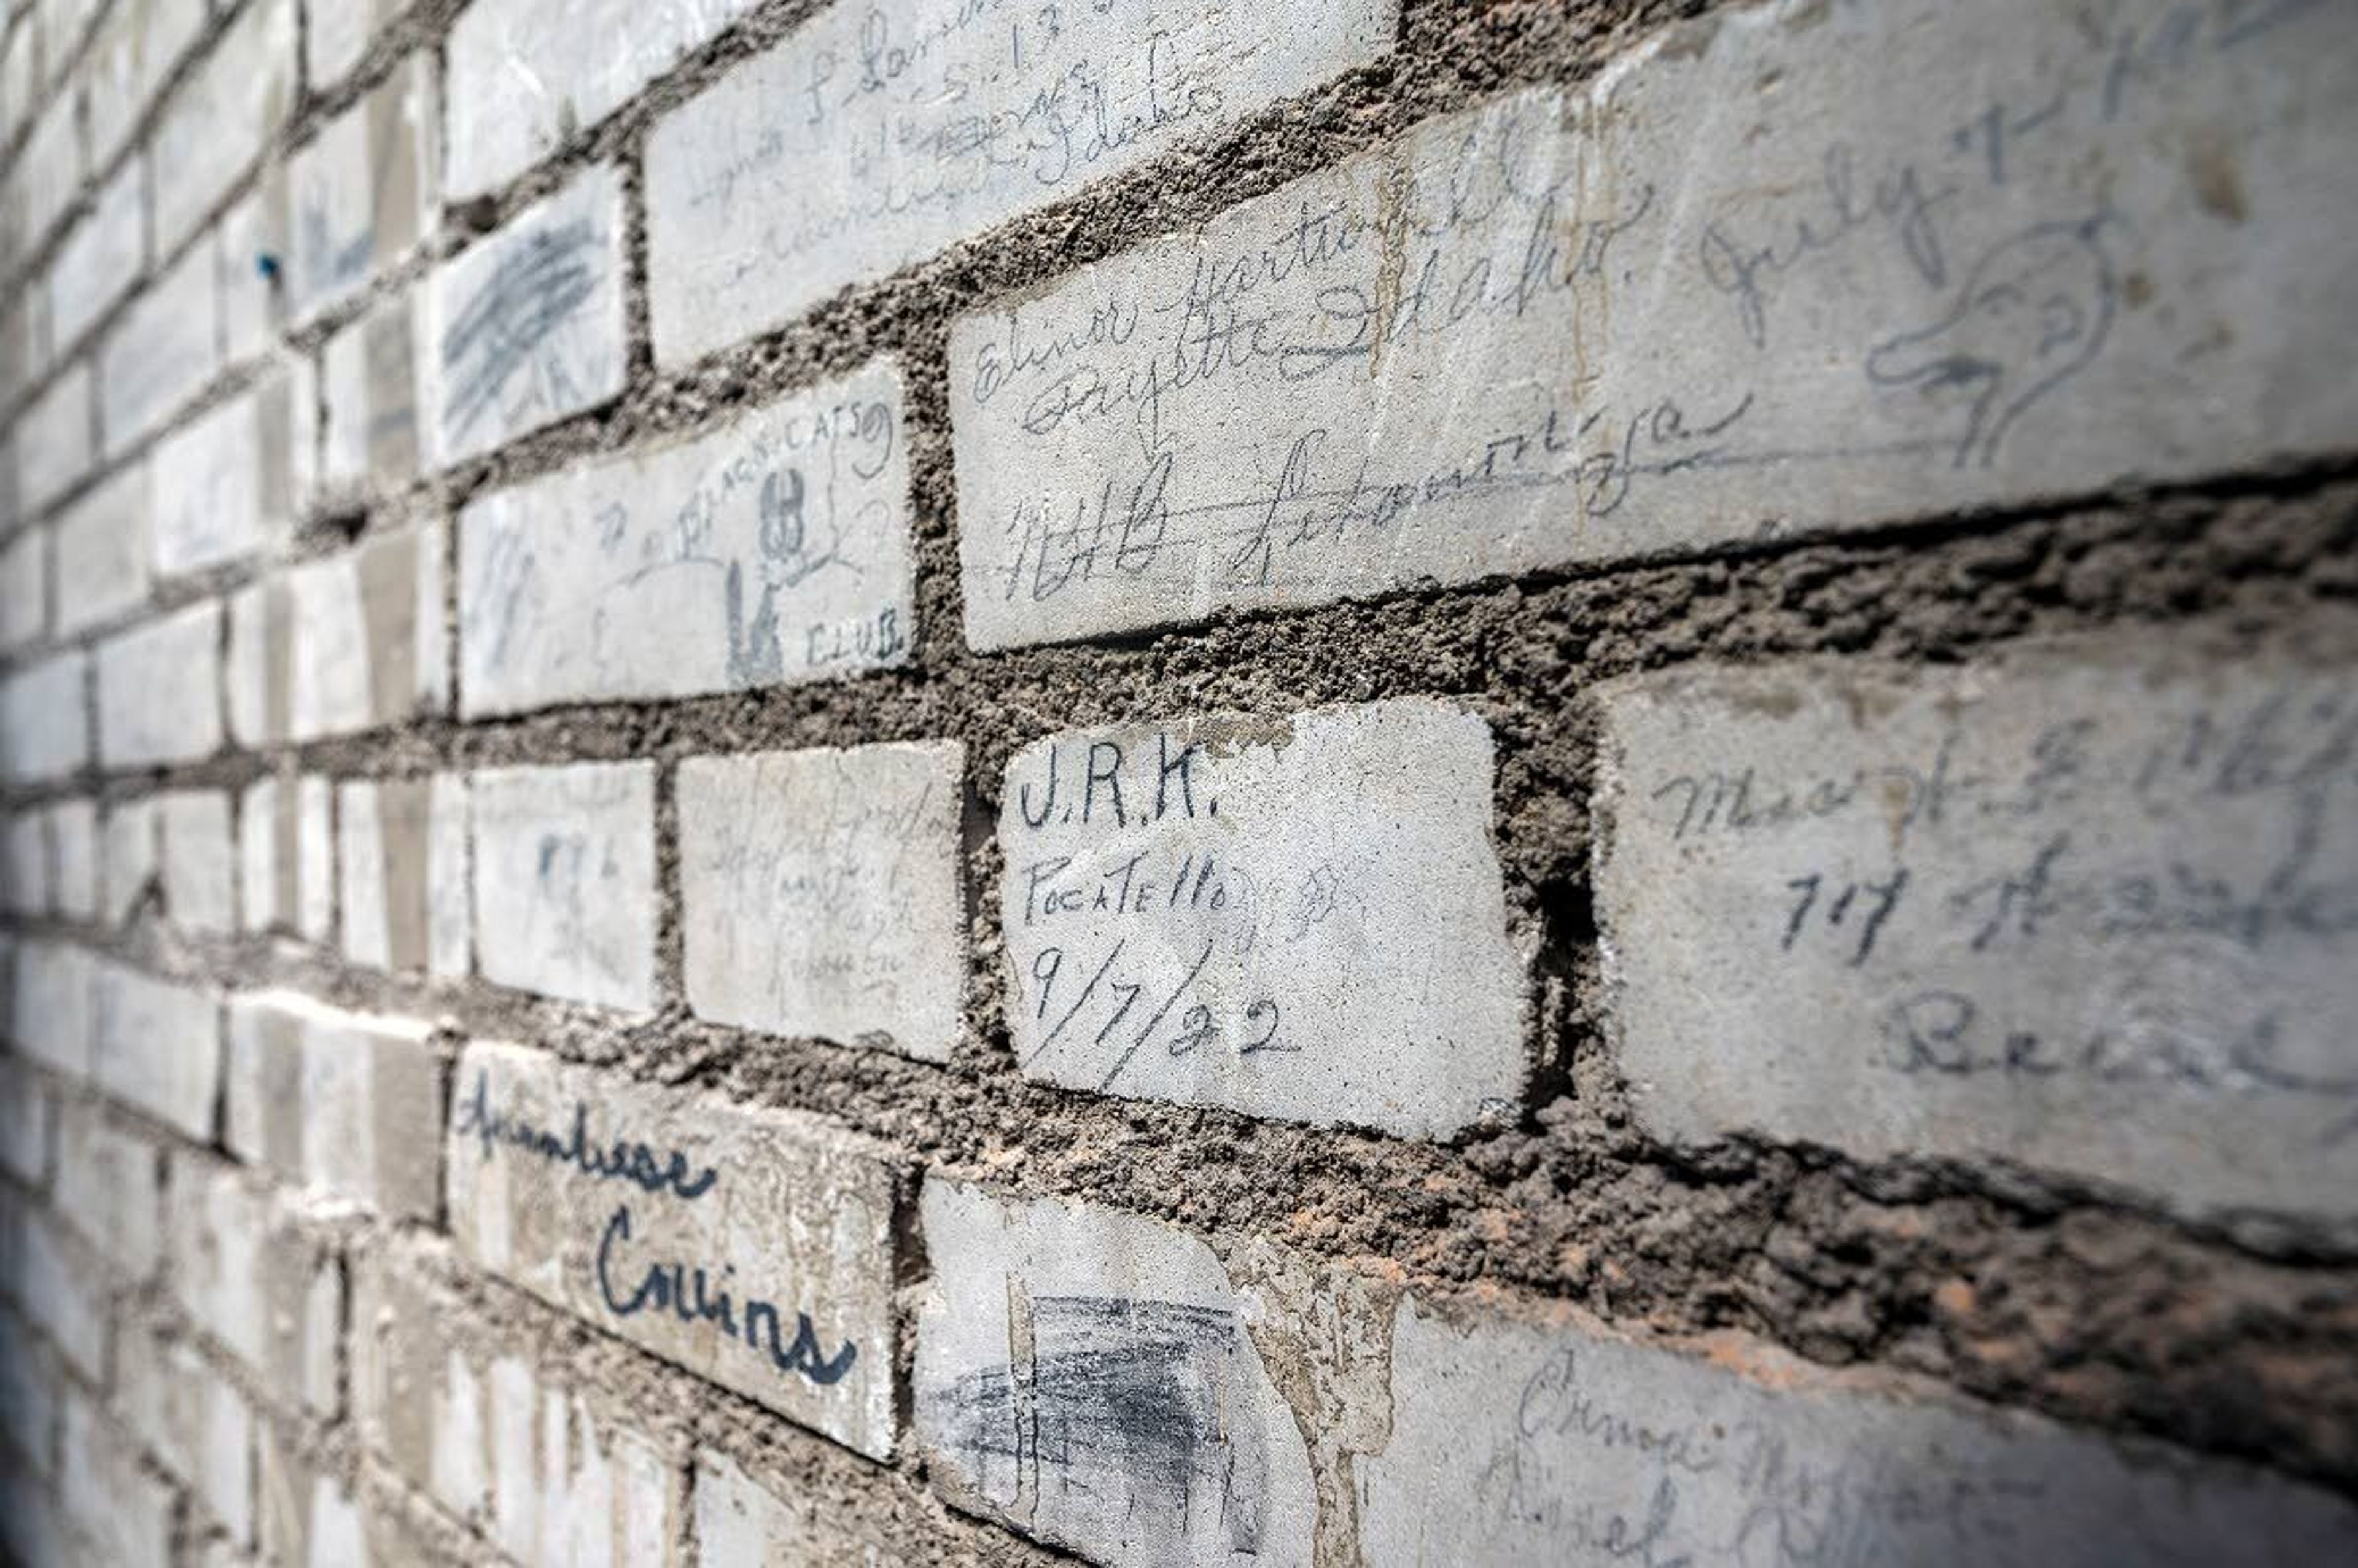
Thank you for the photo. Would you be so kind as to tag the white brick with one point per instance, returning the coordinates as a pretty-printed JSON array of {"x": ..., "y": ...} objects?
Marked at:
[
  {"x": 869, "y": 140},
  {"x": 556, "y": 1480},
  {"x": 597, "y": 1193},
  {"x": 381, "y": 870},
  {"x": 402, "y": 855},
  {"x": 161, "y": 352},
  {"x": 195, "y": 1423},
  {"x": 250, "y": 245},
  {"x": 158, "y": 1048},
  {"x": 786, "y": 536},
  {"x": 362, "y": 190},
  {"x": 32, "y": 1522},
  {"x": 257, "y": 666},
  {"x": 1123, "y": 1346},
  {"x": 99, "y": 259},
  {"x": 24, "y": 359},
  {"x": 823, "y": 893},
  {"x": 1501, "y": 1443},
  {"x": 130, "y": 860},
  {"x": 254, "y": 1284},
  {"x": 338, "y": 34},
  {"x": 565, "y": 881},
  {"x": 314, "y": 914},
  {"x": 527, "y": 75},
  {"x": 23, "y": 590},
  {"x": 29, "y": 1387},
  {"x": 46, "y": 172},
  {"x": 526, "y": 328},
  {"x": 53, "y": 441},
  {"x": 1110, "y": 1385},
  {"x": 419, "y": 1398},
  {"x": 1764, "y": 301},
  {"x": 137, "y": 48},
  {"x": 363, "y": 638},
  {"x": 124, "y": 1513},
  {"x": 59, "y": 1287},
  {"x": 202, "y": 494},
  {"x": 25, "y": 860},
  {"x": 27, "y": 1136},
  {"x": 570, "y": 1488},
  {"x": 231, "y": 483},
  {"x": 109, "y": 1189},
  {"x": 199, "y": 860},
  {"x": 159, "y": 690},
  {"x": 749, "y": 1519},
  {"x": 265, "y": 856},
  {"x": 18, "y": 73},
  {"x": 347, "y": 1103},
  {"x": 2059, "y": 907},
  {"x": 73, "y": 849},
  {"x": 102, "y": 554},
  {"x": 63, "y": 24},
  {"x": 222, "y": 115},
  {"x": 44, "y": 727},
  {"x": 368, "y": 381},
  {"x": 306, "y": 1516},
  {"x": 449, "y": 892},
  {"x": 54, "y": 1006},
  {"x": 1303, "y": 918},
  {"x": 28, "y": 862},
  {"x": 340, "y": 644}
]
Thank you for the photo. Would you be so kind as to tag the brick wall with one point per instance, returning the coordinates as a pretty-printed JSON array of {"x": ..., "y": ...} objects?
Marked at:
[{"x": 1339, "y": 781}]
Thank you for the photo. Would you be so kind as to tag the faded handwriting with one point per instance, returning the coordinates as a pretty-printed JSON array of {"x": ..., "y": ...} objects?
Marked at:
[
  {"x": 1089, "y": 114},
  {"x": 626, "y": 1159},
  {"x": 1841, "y": 206},
  {"x": 843, "y": 867},
  {"x": 2142, "y": 897},
  {"x": 783, "y": 524},
  {"x": 1870, "y": 901},
  {"x": 569, "y": 870},
  {"x": 1130, "y": 528},
  {"x": 2295, "y": 739},
  {"x": 1939, "y": 296},
  {"x": 1948, "y": 1033},
  {"x": 1728, "y": 1487}
]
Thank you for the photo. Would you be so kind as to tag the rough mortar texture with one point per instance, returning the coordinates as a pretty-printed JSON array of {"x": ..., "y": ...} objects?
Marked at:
[{"x": 1764, "y": 590}]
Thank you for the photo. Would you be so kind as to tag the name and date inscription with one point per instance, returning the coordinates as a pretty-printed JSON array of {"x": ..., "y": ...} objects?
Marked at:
[
  {"x": 1178, "y": 905},
  {"x": 1222, "y": 392},
  {"x": 1961, "y": 868},
  {"x": 693, "y": 1292}
]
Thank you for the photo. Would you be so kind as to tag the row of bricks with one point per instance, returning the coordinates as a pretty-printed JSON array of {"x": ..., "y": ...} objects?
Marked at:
[
  {"x": 87, "y": 112},
  {"x": 1308, "y": 917},
  {"x": 246, "y": 84},
  {"x": 1066, "y": 531},
  {"x": 108, "y": 1413},
  {"x": 1100, "y": 1381},
  {"x": 332, "y": 646},
  {"x": 206, "y": 304}
]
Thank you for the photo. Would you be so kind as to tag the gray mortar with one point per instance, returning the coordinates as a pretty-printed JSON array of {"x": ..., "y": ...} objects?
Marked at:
[{"x": 2239, "y": 1338}]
